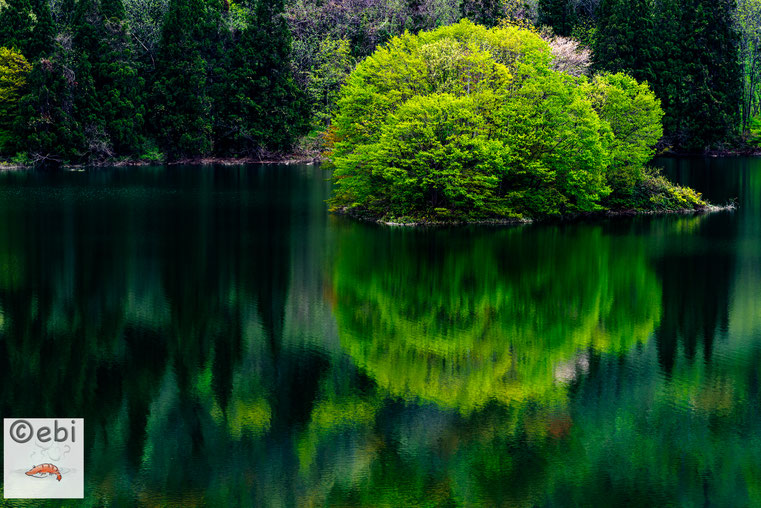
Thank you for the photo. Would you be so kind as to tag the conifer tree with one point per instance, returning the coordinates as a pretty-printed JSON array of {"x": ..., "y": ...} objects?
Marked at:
[
  {"x": 182, "y": 109},
  {"x": 44, "y": 30},
  {"x": 46, "y": 120},
  {"x": 17, "y": 25},
  {"x": 264, "y": 107},
  {"x": 696, "y": 71},
  {"x": 558, "y": 14},
  {"x": 110, "y": 93},
  {"x": 623, "y": 40}
]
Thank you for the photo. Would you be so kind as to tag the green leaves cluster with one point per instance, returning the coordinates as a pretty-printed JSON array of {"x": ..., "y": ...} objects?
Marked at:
[
  {"x": 14, "y": 70},
  {"x": 470, "y": 123}
]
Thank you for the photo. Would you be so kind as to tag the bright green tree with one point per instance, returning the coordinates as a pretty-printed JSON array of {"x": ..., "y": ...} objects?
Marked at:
[
  {"x": 467, "y": 122},
  {"x": 14, "y": 70},
  {"x": 634, "y": 115}
]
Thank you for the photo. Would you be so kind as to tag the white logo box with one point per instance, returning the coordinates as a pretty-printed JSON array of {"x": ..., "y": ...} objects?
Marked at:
[{"x": 44, "y": 458}]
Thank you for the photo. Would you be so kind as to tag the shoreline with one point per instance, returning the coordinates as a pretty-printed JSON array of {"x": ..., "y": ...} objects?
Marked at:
[
  {"x": 603, "y": 214},
  {"x": 286, "y": 159},
  {"x": 317, "y": 158}
]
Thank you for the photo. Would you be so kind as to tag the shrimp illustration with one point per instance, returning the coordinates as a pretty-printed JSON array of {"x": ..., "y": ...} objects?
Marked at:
[{"x": 44, "y": 470}]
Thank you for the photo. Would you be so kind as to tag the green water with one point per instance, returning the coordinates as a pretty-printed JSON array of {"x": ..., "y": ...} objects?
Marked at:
[{"x": 231, "y": 344}]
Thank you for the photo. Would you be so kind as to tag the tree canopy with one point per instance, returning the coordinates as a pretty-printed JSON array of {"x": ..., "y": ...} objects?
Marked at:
[{"x": 471, "y": 123}]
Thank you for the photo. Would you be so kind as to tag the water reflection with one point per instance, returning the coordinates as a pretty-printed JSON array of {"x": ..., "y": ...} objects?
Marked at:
[
  {"x": 229, "y": 344},
  {"x": 465, "y": 318}
]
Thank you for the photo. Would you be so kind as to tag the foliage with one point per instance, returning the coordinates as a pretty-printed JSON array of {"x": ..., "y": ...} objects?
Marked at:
[
  {"x": 749, "y": 26},
  {"x": 467, "y": 123},
  {"x": 14, "y": 70},
  {"x": 634, "y": 115},
  {"x": 622, "y": 40},
  {"x": 332, "y": 67},
  {"x": 688, "y": 51},
  {"x": 262, "y": 105},
  {"x": 111, "y": 105},
  {"x": 653, "y": 192},
  {"x": 47, "y": 121},
  {"x": 182, "y": 113}
]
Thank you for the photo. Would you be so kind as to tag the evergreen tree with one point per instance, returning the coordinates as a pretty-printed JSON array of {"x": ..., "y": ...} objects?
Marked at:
[
  {"x": 263, "y": 107},
  {"x": 623, "y": 40},
  {"x": 110, "y": 93},
  {"x": 182, "y": 109},
  {"x": 483, "y": 12},
  {"x": 46, "y": 120},
  {"x": 712, "y": 45},
  {"x": 44, "y": 30},
  {"x": 696, "y": 71},
  {"x": 17, "y": 25},
  {"x": 561, "y": 15},
  {"x": 27, "y": 26}
]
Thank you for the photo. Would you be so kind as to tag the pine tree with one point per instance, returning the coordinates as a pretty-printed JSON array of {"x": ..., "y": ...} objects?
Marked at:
[
  {"x": 696, "y": 71},
  {"x": 558, "y": 14},
  {"x": 44, "y": 30},
  {"x": 110, "y": 93},
  {"x": 715, "y": 99},
  {"x": 182, "y": 109},
  {"x": 263, "y": 107},
  {"x": 46, "y": 120},
  {"x": 17, "y": 25},
  {"x": 623, "y": 40}
]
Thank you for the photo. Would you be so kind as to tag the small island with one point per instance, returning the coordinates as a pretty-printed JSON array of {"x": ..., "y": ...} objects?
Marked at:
[{"x": 470, "y": 124}]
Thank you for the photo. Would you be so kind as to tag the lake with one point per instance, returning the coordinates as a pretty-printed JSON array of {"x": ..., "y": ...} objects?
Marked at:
[{"x": 230, "y": 343}]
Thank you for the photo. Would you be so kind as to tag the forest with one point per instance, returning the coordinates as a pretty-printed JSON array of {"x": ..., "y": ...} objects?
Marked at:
[{"x": 103, "y": 81}]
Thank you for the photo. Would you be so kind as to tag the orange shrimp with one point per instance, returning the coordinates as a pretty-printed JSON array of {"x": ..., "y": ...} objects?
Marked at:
[{"x": 44, "y": 470}]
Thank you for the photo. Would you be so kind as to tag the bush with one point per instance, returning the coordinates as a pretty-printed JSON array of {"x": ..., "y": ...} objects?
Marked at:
[{"x": 470, "y": 123}]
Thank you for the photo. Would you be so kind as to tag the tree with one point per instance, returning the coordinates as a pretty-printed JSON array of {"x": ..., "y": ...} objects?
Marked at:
[
  {"x": 263, "y": 106},
  {"x": 110, "y": 99},
  {"x": 696, "y": 71},
  {"x": 623, "y": 39},
  {"x": 182, "y": 107},
  {"x": 14, "y": 70},
  {"x": 46, "y": 123},
  {"x": 749, "y": 25},
  {"x": 434, "y": 125},
  {"x": 17, "y": 25},
  {"x": 634, "y": 116},
  {"x": 559, "y": 14}
]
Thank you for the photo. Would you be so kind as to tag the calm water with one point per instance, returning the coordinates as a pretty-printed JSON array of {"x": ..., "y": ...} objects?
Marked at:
[{"x": 230, "y": 344}]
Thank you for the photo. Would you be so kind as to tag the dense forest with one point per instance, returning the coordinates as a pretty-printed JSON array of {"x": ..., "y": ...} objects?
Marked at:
[{"x": 87, "y": 81}]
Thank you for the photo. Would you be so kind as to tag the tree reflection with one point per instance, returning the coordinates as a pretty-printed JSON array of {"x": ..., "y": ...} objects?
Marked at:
[{"x": 460, "y": 319}]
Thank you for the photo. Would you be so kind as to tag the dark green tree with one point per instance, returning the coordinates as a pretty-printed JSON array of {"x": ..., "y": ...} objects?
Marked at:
[
  {"x": 110, "y": 93},
  {"x": 46, "y": 121},
  {"x": 696, "y": 72},
  {"x": 44, "y": 30},
  {"x": 483, "y": 12},
  {"x": 17, "y": 26},
  {"x": 623, "y": 40},
  {"x": 263, "y": 107},
  {"x": 182, "y": 108},
  {"x": 561, "y": 15}
]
